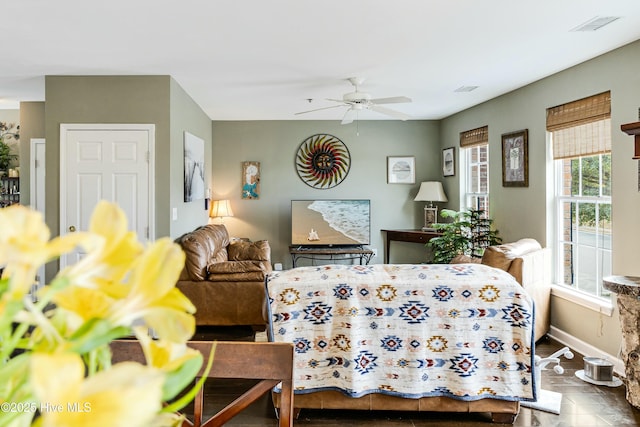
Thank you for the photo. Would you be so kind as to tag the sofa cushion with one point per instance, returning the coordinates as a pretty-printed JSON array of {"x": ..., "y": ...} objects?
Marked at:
[
  {"x": 496, "y": 257},
  {"x": 203, "y": 246},
  {"x": 242, "y": 250},
  {"x": 234, "y": 267},
  {"x": 502, "y": 256}
]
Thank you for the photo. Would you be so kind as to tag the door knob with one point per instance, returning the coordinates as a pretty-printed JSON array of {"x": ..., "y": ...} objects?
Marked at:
[{"x": 72, "y": 228}]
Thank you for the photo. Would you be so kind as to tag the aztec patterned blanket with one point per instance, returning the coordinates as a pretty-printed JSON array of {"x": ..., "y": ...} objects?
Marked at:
[{"x": 462, "y": 330}]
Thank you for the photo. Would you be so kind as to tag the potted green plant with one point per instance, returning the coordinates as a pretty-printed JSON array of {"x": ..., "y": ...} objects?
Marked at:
[
  {"x": 6, "y": 156},
  {"x": 468, "y": 233}
]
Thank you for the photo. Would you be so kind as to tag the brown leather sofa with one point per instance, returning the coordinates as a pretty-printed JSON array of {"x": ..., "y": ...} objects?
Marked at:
[
  {"x": 530, "y": 264},
  {"x": 224, "y": 277}
]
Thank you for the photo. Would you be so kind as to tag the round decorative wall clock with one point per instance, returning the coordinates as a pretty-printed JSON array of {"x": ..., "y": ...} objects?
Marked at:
[{"x": 322, "y": 161}]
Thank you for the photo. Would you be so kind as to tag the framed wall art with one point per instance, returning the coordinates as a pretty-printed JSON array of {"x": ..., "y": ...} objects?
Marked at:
[
  {"x": 323, "y": 161},
  {"x": 250, "y": 180},
  {"x": 193, "y": 168},
  {"x": 401, "y": 170},
  {"x": 515, "y": 159},
  {"x": 449, "y": 161}
]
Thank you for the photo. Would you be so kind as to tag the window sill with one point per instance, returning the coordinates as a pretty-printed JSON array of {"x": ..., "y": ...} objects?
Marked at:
[{"x": 591, "y": 302}]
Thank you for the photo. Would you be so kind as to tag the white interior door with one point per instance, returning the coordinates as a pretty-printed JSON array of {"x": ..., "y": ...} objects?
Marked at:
[{"x": 105, "y": 162}]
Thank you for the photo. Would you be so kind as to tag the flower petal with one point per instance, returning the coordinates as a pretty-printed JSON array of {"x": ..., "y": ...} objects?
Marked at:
[{"x": 158, "y": 270}]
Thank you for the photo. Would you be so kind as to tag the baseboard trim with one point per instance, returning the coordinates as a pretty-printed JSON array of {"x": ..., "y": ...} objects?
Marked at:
[{"x": 586, "y": 349}]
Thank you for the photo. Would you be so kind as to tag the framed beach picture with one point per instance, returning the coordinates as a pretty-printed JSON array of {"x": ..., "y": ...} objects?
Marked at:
[
  {"x": 193, "y": 168},
  {"x": 515, "y": 159},
  {"x": 250, "y": 180},
  {"x": 401, "y": 170},
  {"x": 449, "y": 161}
]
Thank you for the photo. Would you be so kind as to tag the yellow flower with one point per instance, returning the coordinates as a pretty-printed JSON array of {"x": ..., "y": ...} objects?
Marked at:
[
  {"x": 63, "y": 365},
  {"x": 179, "y": 362},
  {"x": 25, "y": 246},
  {"x": 164, "y": 355},
  {"x": 149, "y": 294},
  {"x": 110, "y": 252},
  {"x": 153, "y": 295},
  {"x": 127, "y": 394}
]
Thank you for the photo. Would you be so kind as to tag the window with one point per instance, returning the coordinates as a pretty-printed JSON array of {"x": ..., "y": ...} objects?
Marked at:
[
  {"x": 477, "y": 182},
  {"x": 582, "y": 155},
  {"x": 475, "y": 179}
]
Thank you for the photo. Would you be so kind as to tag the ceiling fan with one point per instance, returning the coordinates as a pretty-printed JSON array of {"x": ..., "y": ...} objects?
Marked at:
[{"x": 357, "y": 101}]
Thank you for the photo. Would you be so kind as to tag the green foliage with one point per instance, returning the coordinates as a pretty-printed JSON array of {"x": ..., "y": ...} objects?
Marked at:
[
  {"x": 5, "y": 156},
  {"x": 7, "y": 131},
  {"x": 469, "y": 233},
  {"x": 585, "y": 181}
]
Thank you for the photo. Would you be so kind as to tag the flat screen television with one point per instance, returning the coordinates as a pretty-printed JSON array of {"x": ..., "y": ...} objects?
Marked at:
[{"x": 330, "y": 222}]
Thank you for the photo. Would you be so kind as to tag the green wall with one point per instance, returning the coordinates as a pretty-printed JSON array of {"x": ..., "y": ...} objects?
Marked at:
[
  {"x": 527, "y": 212},
  {"x": 31, "y": 126},
  {"x": 107, "y": 99},
  {"x": 156, "y": 100},
  {"x": 185, "y": 115},
  {"x": 275, "y": 143}
]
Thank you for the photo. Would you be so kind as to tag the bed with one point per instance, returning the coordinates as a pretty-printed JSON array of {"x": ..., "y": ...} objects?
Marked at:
[{"x": 428, "y": 337}]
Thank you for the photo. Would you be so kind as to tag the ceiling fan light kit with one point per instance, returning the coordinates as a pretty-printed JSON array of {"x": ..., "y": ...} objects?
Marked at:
[{"x": 358, "y": 101}]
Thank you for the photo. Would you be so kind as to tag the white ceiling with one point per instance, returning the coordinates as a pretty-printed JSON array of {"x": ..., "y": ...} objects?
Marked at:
[{"x": 262, "y": 59}]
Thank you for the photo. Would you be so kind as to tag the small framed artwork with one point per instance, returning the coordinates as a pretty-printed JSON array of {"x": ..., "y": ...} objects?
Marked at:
[
  {"x": 515, "y": 159},
  {"x": 250, "y": 180},
  {"x": 401, "y": 170},
  {"x": 449, "y": 161}
]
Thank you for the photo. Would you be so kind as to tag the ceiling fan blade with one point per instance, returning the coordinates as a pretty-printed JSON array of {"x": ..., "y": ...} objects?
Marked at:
[
  {"x": 390, "y": 112},
  {"x": 348, "y": 116},
  {"x": 318, "y": 109},
  {"x": 392, "y": 100}
]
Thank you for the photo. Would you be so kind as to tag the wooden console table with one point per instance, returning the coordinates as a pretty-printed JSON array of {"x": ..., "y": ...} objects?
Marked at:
[
  {"x": 329, "y": 253},
  {"x": 412, "y": 236}
]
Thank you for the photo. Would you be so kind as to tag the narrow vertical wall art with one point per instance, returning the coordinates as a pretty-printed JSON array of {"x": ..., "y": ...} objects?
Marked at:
[
  {"x": 250, "y": 180},
  {"x": 193, "y": 168}
]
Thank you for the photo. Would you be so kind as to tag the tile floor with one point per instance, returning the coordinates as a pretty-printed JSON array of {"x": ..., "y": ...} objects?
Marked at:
[{"x": 583, "y": 404}]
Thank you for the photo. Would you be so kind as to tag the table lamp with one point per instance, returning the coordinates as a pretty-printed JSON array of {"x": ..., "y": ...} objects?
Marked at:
[
  {"x": 220, "y": 209},
  {"x": 430, "y": 191}
]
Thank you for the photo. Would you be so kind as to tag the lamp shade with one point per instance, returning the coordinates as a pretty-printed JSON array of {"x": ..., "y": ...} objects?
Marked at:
[
  {"x": 220, "y": 208},
  {"x": 431, "y": 191}
]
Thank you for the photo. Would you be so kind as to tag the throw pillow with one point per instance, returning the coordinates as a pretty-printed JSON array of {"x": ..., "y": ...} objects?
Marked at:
[{"x": 242, "y": 251}]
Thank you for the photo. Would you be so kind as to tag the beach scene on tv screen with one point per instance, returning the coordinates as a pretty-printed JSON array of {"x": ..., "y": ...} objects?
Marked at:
[{"x": 330, "y": 222}]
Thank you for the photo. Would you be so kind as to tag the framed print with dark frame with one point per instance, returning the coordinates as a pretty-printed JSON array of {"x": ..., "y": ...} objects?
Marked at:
[
  {"x": 401, "y": 170},
  {"x": 515, "y": 159},
  {"x": 449, "y": 161}
]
